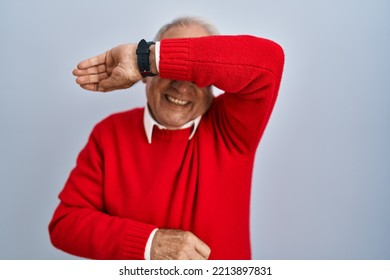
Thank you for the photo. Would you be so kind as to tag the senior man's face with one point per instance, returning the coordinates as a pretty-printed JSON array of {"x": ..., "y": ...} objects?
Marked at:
[{"x": 174, "y": 103}]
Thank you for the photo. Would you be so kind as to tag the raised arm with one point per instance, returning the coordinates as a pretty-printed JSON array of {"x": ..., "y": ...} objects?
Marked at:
[{"x": 249, "y": 70}]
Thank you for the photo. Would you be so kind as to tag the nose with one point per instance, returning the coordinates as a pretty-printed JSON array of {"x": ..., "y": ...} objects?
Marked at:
[{"x": 182, "y": 86}]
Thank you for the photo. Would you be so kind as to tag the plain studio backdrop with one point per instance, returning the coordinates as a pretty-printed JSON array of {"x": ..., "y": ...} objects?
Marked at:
[{"x": 321, "y": 185}]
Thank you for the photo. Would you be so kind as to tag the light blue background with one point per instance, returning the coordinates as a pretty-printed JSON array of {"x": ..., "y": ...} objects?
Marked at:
[{"x": 321, "y": 184}]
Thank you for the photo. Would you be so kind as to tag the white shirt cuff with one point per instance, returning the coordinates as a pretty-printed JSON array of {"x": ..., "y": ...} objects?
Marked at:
[
  {"x": 148, "y": 246},
  {"x": 157, "y": 55}
]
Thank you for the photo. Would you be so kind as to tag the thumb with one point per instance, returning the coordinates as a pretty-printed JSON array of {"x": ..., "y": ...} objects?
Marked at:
[
  {"x": 202, "y": 248},
  {"x": 117, "y": 80}
]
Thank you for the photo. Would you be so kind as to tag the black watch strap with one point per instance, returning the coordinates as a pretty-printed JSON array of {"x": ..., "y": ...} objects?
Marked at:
[{"x": 143, "y": 58}]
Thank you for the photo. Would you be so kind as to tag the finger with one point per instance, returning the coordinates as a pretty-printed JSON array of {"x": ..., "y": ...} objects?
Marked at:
[
  {"x": 103, "y": 89},
  {"x": 194, "y": 255},
  {"x": 91, "y": 70},
  {"x": 91, "y": 79},
  {"x": 91, "y": 87},
  {"x": 202, "y": 249},
  {"x": 93, "y": 61},
  {"x": 98, "y": 87}
]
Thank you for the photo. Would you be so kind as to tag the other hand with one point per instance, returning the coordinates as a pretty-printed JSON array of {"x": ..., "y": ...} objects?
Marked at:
[{"x": 169, "y": 244}]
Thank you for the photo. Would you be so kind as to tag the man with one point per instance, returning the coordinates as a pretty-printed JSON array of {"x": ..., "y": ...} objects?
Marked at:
[{"x": 171, "y": 180}]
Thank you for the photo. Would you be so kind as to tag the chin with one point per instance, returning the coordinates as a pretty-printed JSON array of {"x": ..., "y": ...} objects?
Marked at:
[{"x": 175, "y": 124}]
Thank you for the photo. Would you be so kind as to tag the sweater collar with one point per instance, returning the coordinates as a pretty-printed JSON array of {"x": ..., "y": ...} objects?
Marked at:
[{"x": 149, "y": 123}]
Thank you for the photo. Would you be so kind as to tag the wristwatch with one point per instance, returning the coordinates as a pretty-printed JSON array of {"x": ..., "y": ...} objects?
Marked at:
[{"x": 143, "y": 58}]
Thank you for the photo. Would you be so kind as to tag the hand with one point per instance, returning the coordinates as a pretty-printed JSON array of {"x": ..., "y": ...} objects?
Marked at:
[
  {"x": 114, "y": 69},
  {"x": 169, "y": 244}
]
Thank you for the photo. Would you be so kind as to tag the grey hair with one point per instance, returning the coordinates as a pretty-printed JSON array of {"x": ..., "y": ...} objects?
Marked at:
[{"x": 187, "y": 21}]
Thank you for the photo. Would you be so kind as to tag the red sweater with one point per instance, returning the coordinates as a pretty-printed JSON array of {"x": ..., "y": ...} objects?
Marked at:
[{"x": 123, "y": 187}]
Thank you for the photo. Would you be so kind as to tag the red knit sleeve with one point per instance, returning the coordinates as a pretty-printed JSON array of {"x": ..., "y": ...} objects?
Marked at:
[
  {"x": 81, "y": 226},
  {"x": 247, "y": 68}
]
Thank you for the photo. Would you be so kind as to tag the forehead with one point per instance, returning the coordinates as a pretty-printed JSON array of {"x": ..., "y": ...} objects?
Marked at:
[{"x": 185, "y": 31}]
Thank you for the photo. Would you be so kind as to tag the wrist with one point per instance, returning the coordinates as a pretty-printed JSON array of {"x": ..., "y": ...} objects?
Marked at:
[
  {"x": 146, "y": 58},
  {"x": 152, "y": 59}
]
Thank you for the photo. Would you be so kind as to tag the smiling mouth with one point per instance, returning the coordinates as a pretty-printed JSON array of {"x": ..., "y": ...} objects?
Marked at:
[{"x": 176, "y": 101}]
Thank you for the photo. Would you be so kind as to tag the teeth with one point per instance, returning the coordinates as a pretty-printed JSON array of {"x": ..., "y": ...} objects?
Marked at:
[{"x": 177, "y": 101}]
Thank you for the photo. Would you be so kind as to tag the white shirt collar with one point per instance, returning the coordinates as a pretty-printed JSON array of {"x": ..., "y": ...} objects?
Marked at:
[{"x": 149, "y": 123}]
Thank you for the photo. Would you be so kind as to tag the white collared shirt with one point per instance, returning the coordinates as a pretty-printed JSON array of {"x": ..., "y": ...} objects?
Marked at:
[{"x": 149, "y": 123}]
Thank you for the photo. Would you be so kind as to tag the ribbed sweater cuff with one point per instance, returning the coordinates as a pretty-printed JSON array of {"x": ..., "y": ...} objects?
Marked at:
[
  {"x": 174, "y": 62},
  {"x": 135, "y": 239}
]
